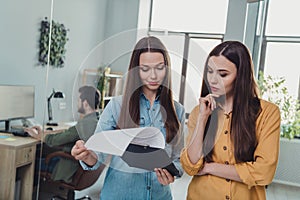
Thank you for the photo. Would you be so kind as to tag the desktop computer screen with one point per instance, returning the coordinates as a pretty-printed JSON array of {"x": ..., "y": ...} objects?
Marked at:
[{"x": 16, "y": 102}]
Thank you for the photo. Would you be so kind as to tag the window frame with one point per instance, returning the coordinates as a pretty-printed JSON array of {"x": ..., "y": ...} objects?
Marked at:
[
  {"x": 266, "y": 39},
  {"x": 187, "y": 37}
]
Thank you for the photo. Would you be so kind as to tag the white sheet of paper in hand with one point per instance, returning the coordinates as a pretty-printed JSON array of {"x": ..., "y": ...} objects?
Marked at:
[{"x": 115, "y": 142}]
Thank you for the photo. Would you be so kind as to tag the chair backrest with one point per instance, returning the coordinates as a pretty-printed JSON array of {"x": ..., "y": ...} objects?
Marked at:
[
  {"x": 85, "y": 178},
  {"x": 81, "y": 179}
]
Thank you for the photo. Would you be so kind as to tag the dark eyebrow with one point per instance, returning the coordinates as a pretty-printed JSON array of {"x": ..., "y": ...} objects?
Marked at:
[
  {"x": 219, "y": 70},
  {"x": 161, "y": 63},
  {"x": 223, "y": 70}
]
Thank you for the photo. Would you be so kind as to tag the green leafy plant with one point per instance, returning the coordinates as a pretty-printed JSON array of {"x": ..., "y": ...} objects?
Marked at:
[
  {"x": 273, "y": 90},
  {"x": 103, "y": 83},
  {"x": 58, "y": 43}
]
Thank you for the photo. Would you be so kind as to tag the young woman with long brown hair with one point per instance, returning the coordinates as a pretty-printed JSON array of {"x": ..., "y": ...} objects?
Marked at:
[
  {"x": 233, "y": 143},
  {"x": 147, "y": 101}
]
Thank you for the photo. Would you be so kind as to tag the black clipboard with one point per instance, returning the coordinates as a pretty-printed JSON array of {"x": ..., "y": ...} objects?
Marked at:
[{"x": 146, "y": 157}]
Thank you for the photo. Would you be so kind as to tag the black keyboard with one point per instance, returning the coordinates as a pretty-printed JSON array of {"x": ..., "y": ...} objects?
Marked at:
[{"x": 21, "y": 133}]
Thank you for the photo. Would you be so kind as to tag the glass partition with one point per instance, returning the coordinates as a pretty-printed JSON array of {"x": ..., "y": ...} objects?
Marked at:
[
  {"x": 23, "y": 85},
  {"x": 89, "y": 49}
]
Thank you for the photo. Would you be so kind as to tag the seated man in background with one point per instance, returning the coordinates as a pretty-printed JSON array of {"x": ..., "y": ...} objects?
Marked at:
[{"x": 63, "y": 169}]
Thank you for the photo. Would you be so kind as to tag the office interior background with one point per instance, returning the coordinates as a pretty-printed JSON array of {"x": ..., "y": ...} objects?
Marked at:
[{"x": 103, "y": 33}]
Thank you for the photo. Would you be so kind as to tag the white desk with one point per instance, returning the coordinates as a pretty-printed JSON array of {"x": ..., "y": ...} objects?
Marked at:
[{"x": 17, "y": 160}]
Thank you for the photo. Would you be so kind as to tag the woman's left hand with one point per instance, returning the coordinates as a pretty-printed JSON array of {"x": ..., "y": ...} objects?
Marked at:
[{"x": 163, "y": 176}]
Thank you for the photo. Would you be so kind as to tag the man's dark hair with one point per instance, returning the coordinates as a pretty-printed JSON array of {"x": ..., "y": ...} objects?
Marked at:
[{"x": 91, "y": 95}]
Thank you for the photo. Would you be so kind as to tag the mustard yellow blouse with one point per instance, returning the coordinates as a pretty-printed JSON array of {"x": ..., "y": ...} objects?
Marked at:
[{"x": 255, "y": 175}]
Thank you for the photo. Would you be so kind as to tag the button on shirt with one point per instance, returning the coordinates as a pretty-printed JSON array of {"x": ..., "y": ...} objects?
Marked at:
[
  {"x": 124, "y": 182},
  {"x": 255, "y": 175}
]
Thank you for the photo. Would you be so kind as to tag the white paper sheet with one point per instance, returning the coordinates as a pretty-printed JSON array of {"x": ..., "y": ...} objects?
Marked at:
[{"x": 115, "y": 142}]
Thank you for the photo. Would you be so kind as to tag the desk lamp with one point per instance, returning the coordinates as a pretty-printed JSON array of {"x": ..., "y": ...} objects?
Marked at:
[{"x": 54, "y": 95}]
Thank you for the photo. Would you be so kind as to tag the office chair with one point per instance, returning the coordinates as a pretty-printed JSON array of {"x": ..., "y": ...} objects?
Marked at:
[{"x": 80, "y": 180}]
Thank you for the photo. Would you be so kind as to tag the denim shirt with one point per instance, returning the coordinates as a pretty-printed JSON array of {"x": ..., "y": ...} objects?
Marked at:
[{"x": 129, "y": 183}]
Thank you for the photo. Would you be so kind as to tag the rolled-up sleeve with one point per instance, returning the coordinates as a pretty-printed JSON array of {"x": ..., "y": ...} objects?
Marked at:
[
  {"x": 86, "y": 167},
  {"x": 190, "y": 168},
  {"x": 261, "y": 171}
]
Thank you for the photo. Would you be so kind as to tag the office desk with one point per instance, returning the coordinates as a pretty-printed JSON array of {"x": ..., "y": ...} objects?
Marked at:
[
  {"x": 61, "y": 126},
  {"x": 17, "y": 158}
]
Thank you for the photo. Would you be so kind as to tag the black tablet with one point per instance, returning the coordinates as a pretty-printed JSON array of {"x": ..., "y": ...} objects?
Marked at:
[{"x": 146, "y": 157}]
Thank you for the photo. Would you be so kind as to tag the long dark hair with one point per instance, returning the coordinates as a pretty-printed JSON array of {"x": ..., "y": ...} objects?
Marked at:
[
  {"x": 130, "y": 110},
  {"x": 246, "y": 105}
]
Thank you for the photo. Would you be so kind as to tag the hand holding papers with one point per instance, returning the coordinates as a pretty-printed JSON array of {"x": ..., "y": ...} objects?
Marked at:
[
  {"x": 115, "y": 142},
  {"x": 138, "y": 147}
]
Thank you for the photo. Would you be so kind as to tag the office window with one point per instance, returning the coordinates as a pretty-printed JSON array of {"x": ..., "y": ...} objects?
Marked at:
[
  {"x": 282, "y": 44},
  {"x": 282, "y": 60},
  {"x": 198, "y": 26},
  {"x": 190, "y": 15},
  {"x": 282, "y": 18}
]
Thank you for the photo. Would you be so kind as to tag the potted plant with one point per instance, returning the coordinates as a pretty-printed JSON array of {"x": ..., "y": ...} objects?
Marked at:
[
  {"x": 273, "y": 89},
  {"x": 103, "y": 84}
]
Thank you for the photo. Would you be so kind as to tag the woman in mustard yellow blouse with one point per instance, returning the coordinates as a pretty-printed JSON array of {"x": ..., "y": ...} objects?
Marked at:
[{"x": 233, "y": 143}]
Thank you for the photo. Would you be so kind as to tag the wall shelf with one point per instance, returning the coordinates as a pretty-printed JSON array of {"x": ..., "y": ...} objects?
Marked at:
[{"x": 115, "y": 82}]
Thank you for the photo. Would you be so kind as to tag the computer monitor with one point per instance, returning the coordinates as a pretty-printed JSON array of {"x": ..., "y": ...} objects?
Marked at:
[{"x": 16, "y": 102}]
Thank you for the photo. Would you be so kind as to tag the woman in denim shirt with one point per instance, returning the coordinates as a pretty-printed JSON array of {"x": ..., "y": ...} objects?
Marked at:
[{"x": 147, "y": 101}]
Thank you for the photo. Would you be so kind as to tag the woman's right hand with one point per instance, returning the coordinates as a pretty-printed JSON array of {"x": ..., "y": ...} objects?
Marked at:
[
  {"x": 80, "y": 152},
  {"x": 207, "y": 104}
]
